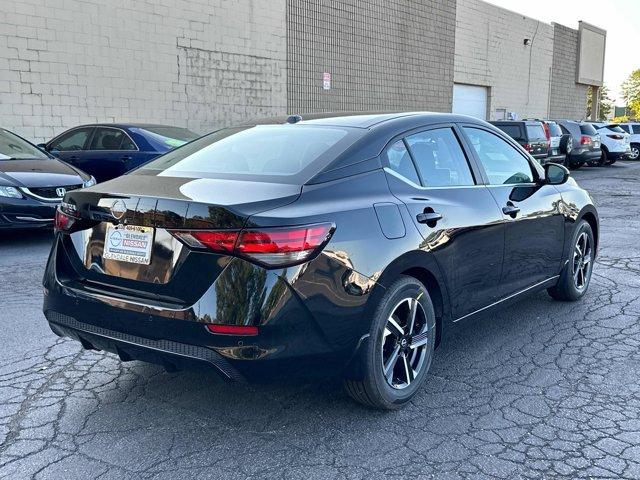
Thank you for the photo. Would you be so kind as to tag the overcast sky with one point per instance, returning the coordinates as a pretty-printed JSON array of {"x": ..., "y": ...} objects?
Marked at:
[{"x": 620, "y": 18}]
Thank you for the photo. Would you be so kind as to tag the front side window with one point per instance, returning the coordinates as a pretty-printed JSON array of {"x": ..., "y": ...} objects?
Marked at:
[
  {"x": 626, "y": 128},
  {"x": 400, "y": 161},
  {"x": 503, "y": 163},
  {"x": 440, "y": 159},
  {"x": 107, "y": 139},
  {"x": 71, "y": 141},
  {"x": 12, "y": 147}
]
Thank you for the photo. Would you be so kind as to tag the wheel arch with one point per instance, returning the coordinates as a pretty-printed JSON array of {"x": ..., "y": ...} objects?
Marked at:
[
  {"x": 423, "y": 267},
  {"x": 592, "y": 219}
]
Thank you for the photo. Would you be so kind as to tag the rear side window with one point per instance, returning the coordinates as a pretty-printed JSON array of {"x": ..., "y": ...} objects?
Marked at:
[
  {"x": 513, "y": 131},
  {"x": 440, "y": 159},
  {"x": 265, "y": 150},
  {"x": 587, "y": 129},
  {"x": 107, "y": 139},
  {"x": 71, "y": 141},
  {"x": 615, "y": 128},
  {"x": 536, "y": 132},
  {"x": 636, "y": 128},
  {"x": 400, "y": 161}
]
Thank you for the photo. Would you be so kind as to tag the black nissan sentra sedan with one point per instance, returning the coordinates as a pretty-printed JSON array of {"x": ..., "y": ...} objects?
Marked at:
[
  {"x": 32, "y": 183},
  {"x": 319, "y": 246}
]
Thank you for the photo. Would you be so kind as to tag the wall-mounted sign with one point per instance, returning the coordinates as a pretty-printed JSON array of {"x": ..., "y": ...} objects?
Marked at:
[{"x": 326, "y": 81}]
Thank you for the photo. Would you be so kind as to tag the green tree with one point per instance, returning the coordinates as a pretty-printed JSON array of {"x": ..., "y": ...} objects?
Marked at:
[
  {"x": 606, "y": 104},
  {"x": 631, "y": 91}
]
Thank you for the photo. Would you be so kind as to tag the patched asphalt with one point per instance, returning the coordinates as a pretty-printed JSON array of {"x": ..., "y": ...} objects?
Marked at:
[{"x": 542, "y": 389}]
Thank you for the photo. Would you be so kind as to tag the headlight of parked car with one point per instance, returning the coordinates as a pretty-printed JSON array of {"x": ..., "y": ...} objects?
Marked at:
[
  {"x": 11, "y": 192},
  {"x": 89, "y": 183}
]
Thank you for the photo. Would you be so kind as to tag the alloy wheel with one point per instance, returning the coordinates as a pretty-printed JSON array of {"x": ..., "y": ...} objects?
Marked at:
[
  {"x": 582, "y": 261},
  {"x": 635, "y": 152},
  {"x": 404, "y": 343}
]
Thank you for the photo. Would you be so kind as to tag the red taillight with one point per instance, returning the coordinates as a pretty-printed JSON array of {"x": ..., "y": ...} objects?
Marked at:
[
  {"x": 65, "y": 218},
  {"x": 273, "y": 247},
  {"x": 527, "y": 147},
  {"x": 585, "y": 140},
  {"x": 616, "y": 137},
  {"x": 232, "y": 329},
  {"x": 222, "y": 241},
  {"x": 547, "y": 132}
]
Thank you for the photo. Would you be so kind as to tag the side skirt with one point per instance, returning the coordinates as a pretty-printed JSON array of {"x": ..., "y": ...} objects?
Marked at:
[{"x": 550, "y": 282}]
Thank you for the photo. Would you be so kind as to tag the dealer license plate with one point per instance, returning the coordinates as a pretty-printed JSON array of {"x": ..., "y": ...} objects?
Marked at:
[{"x": 128, "y": 243}]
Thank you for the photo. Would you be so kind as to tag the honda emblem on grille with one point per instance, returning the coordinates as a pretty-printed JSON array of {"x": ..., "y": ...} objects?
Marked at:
[
  {"x": 118, "y": 209},
  {"x": 60, "y": 191}
]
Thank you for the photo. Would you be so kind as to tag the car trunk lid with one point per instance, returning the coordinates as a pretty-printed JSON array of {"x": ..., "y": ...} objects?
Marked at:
[{"x": 157, "y": 205}]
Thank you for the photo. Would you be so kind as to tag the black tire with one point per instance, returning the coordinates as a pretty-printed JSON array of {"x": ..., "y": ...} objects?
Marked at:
[
  {"x": 576, "y": 166},
  {"x": 568, "y": 288},
  {"x": 373, "y": 389},
  {"x": 566, "y": 144},
  {"x": 635, "y": 151}
]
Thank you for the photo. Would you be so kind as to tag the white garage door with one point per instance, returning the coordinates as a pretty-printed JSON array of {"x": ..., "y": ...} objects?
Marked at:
[{"x": 470, "y": 100}]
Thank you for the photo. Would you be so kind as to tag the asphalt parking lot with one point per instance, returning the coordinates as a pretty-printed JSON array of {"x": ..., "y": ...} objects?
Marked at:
[{"x": 541, "y": 390}]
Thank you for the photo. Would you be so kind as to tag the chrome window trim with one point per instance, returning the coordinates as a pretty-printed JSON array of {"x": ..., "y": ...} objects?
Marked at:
[{"x": 391, "y": 171}]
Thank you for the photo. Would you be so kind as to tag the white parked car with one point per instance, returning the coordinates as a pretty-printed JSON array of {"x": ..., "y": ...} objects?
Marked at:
[
  {"x": 614, "y": 142},
  {"x": 633, "y": 129}
]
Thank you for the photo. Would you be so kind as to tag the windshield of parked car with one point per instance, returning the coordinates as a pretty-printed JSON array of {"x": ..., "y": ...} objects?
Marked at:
[
  {"x": 266, "y": 150},
  {"x": 587, "y": 129},
  {"x": 12, "y": 147},
  {"x": 536, "y": 132},
  {"x": 170, "y": 136}
]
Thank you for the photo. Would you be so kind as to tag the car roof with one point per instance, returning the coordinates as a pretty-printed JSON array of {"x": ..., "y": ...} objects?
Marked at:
[
  {"x": 124, "y": 125},
  {"x": 366, "y": 120}
]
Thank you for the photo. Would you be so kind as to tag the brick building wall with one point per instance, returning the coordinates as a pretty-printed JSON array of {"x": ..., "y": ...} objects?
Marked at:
[
  {"x": 490, "y": 52},
  {"x": 568, "y": 98},
  {"x": 381, "y": 54},
  {"x": 200, "y": 64}
]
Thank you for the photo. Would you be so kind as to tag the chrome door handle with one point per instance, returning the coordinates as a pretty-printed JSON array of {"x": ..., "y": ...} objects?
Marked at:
[
  {"x": 511, "y": 210},
  {"x": 429, "y": 217}
]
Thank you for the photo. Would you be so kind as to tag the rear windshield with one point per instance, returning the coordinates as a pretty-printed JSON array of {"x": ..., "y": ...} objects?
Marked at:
[
  {"x": 587, "y": 129},
  {"x": 275, "y": 152},
  {"x": 512, "y": 130},
  {"x": 554, "y": 129},
  {"x": 171, "y": 136},
  {"x": 536, "y": 132},
  {"x": 12, "y": 147},
  {"x": 615, "y": 128}
]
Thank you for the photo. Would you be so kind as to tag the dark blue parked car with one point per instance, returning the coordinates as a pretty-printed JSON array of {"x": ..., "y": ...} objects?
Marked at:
[{"x": 107, "y": 151}]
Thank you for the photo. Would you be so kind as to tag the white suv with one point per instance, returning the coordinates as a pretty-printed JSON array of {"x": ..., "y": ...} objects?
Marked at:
[
  {"x": 633, "y": 129},
  {"x": 614, "y": 142}
]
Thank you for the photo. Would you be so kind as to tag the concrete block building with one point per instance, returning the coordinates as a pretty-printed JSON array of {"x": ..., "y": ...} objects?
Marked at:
[{"x": 205, "y": 64}]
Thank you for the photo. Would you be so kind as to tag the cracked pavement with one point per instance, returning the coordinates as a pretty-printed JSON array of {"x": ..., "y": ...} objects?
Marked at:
[{"x": 542, "y": 389}]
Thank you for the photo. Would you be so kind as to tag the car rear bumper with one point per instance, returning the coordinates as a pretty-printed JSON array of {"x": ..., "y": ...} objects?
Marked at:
[
  {"x": 296, "y": 337},
  {"x": 584, "y": 156},
  {"x": 26, "y": 213},
  {"x": 170, "y": 354}
]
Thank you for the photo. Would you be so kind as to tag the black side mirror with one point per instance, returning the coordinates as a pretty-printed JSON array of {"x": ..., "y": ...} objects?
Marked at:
[
  {"x": 42, "y": 146},
  {"x": 555, "y": 174}
]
